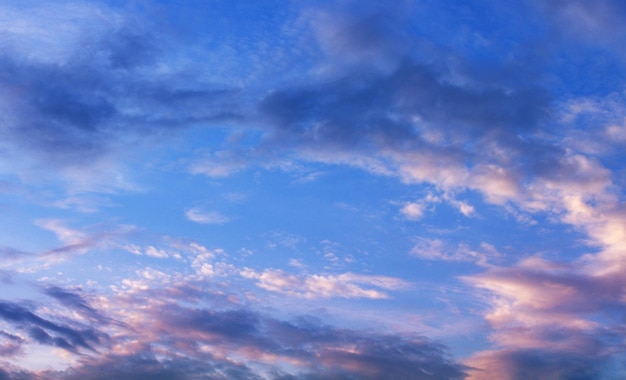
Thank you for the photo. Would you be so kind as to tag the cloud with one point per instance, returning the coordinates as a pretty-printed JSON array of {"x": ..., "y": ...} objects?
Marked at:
[
  {"x": 206, "y": 217},
  {"x": 436, "y": 122},
  {"x": 9, "y": 253},
  {"x": 147, "y": 365},
  {"x": 284, "y": 239},
  {"x": 321, "y": 351},
  {"x": 464, "y": 208},
  {"x": 10, "y": 344},
  {"x": 281, "y": 349},
  {"x": 389, "y": 110},
  {"x": 8, "y": 372},
  {"x": 535, "y": 364},
  {"x": 176, "y": 330},
  {"x": 346, "y": 285},
  {"x": 88, "y": 83},
  {"x": 73, "y": 300},
  {"x": 414, "y": 119},
  {"x": 415, "y": 210},
  {"x": 50, "y": 333},
  {"x": 440, "y": 121},
  {"x": 412, "y": 211},
  {"x": 350, "y": 34},
  {"x": 607, "y": 112},
  {"x": 549, "y": 318},
  {"x": 74, "y": 242},
  {"x": 65, "y": 234},
  {"x": 222, "y": 163},
  {"x": 600, "y": 23},
  {"x": 436, "y": 249},
  {"x": 155, "y": 252},
  {"x": 369, "y": 357}
]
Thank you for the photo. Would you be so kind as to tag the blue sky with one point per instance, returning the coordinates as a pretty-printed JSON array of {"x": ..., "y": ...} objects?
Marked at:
[{"x": 312, "y": 189}]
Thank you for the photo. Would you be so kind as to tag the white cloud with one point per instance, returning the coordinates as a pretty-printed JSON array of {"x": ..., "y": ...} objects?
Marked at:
[
  {"x": 303, "y": 178},
  {"x": 296, "y": 263},
  {"x": 436, "y": 249},
  {"x": 413, "y": 211},
  {"x": 616, "y": 133},
  {"x": 64, "y": 233},
  {"x": 133, "y": 248},
  {"x": 157, "y": 253},
  {"x": 346, "y": 285},
  {"x": 206, "y": 217},
  {"x": 463, "y": 207},
  {"x": 150, "y": 251},
  {"x": 220, "y": 164}
]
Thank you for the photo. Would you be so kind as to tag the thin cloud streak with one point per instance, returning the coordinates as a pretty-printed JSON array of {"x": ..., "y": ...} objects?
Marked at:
[{"x": 345, "y": 285}]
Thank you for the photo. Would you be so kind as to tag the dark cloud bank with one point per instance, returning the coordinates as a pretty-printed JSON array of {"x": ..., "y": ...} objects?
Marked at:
[
  {"x": 319, "y": 351},
  {"x": 110, "y": 93}
]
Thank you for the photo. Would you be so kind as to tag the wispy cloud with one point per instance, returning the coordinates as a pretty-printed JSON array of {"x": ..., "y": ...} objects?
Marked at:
[
  {"x": 436, "y": 249},
  {"x": 206, "y": 217},
  {"x": 346, "y": 285}
]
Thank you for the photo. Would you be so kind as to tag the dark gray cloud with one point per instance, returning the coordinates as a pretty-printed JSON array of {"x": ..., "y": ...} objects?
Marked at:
[
  {"x": 10, "y": 374},
  {"x": 426, "y": 100},
  {"x": 12, "y": 253},
  {"x": 388, "y": 109},
  {"x": 145, "y": 366},
  {"x": 74, "y": 301},
  {"x": 364, "y": 33},
  {"x": 541, "y": 364},
  {"x": 107, "y": 93},
  {"x": 10, "y": 344},
  {"x": 128, "y": 48},
  {"x": 112, "y": 92},
  {"x": 232, "y": 325},
  {"x": 326, "y": 352},
  {"x": 48, "y": 332}
]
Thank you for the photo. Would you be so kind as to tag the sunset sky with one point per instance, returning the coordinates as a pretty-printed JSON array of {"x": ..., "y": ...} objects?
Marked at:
[{"x": 284, "y": 190}]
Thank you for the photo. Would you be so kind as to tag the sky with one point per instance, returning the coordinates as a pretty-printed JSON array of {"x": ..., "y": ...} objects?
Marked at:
[{"x": 284, "y": 190}]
